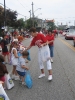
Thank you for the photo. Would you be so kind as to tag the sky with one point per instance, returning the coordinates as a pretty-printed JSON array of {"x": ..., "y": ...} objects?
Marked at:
[{"x": 62, "y": 11}]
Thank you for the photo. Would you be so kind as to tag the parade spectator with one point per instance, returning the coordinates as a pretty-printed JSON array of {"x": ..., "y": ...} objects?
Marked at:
[
  {"x": 1, "y": 82},
  {"x": 12, "y": 35},
  {"x": 21, "y": 66},
  {"x": 40, "y": 40},
  {"x": 20, "y": 39},
  {"x": 15, "y": 37},
  {"x": 0, "y": 50},
  {"x": 5, "y": 51},
  {"x": 55, "y": 32},
  {"x": 14, "y": 60},
  {"x": 22, "y": 48},
  {"x": 50, "y": 38},
  {"x": 15, "y": 32},
  {"x": 3, "y": 69}
]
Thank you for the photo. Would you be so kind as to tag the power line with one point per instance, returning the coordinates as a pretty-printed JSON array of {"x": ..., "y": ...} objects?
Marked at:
[
  {"x": 36, "y": 5},
  {"x": 22, "y": 5},
  {"x": 26, "y": 5},
  {"x": 13, "y": 10},
  {"x": 68, "y": 18}
]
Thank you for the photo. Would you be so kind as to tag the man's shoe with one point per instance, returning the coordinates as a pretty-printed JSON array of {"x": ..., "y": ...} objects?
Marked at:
[
  {"x": 41, "y": 75},
  {"x": 49, "y": 77}
]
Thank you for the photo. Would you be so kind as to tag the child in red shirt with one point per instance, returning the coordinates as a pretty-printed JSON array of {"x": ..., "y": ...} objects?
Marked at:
[{"x": 40, "y": 40}]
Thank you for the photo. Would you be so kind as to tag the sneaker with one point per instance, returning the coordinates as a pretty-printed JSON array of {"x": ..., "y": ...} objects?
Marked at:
[
  {"x": 41, "y": 75},
  {"x": 13, "y": 76},
  {"x": 23, "y": 83},
  {"x": 17, "y": 78},
  {"x": 50, "y": 77},
  {"x": 51, "y": 60}
]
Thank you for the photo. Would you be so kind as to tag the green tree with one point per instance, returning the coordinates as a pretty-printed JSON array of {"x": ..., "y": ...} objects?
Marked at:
[
  {"x": 51, "y": 25},
  {"x": 29, "y": 23},
  {"x": 11, "y": 17},
  {"x": 20, "y": 23},
  {"x": 1, "y": 17}
]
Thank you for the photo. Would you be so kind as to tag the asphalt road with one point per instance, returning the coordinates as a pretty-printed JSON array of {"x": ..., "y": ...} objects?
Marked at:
[{"x": 62, "y": 87}]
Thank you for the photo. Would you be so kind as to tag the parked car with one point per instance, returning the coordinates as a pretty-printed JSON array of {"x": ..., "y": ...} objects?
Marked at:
[
  {"x": 74, "y": 41},
  {"x": 70, "y": 34}
]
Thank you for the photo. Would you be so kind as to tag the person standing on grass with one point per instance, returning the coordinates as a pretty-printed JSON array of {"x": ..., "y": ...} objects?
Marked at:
[
  {"x": 40, "y": 40},
  {"x": 50, "y": 38}
]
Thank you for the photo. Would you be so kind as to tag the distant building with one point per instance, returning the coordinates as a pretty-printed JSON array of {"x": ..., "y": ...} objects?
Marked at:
[
  {"x": 62, "y": 27},
  {"x": 46, "y": 22},
  {"x": 72, "y": 27},
  {"x": 39, "y": 22},
  {"x": 42, "y": 24}
]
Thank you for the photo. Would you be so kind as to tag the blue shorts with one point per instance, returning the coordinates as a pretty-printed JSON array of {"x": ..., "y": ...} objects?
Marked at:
[{"x": 21, "y": 73}]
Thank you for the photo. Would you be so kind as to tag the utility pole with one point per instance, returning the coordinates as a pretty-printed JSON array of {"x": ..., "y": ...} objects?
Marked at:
[
  {"x": 25, "y": 18},
  {"x": 30, "y": 18},
  {"x": 74, "y": 22},
  {"x": 32, "y": 14},
  {"x": 25, "y": 21},
  {"x": 41, "y": 23},
  {"x": 4, "y": 15}
]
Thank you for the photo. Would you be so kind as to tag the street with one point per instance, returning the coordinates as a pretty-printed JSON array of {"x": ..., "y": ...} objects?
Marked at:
[{"x": 62, "y": 87}]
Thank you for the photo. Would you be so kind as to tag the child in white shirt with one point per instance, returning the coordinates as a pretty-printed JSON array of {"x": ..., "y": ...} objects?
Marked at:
[
  {"x": 14, "y": 60},
  {"x": 21, "y": 66}
]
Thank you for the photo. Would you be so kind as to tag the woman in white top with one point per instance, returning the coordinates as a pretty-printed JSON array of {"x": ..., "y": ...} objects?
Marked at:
[{"x": 14, "y": 60}]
